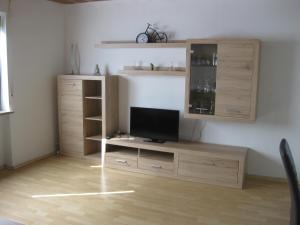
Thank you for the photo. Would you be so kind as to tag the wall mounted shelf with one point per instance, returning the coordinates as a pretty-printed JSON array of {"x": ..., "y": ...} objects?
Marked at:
[
  {"x": 133, "y": 70},
  {"x": 153, "y": 72},
  {"x": 129, "y": 44}
]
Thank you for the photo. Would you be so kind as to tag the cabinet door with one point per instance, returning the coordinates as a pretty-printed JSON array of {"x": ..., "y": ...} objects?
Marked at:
[
  {"x": 201, "y": 79},
  {"x": 208, "y": 169},
  {"x": 236, "y": 82},
  {"x": 70, "y": 116}
]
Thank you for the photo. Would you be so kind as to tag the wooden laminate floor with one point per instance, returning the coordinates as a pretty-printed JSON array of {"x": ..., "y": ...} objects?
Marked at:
[{"x": 63, "y": 191}]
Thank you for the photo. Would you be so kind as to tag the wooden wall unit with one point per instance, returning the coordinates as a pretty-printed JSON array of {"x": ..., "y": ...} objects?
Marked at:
[
  {"x": 221, "y": 83},
  {"x": 199, "y": 162},
  {"x": 87, "y": 112},
  {"x": 233, "y": 86},
  {"x": 229, "y": 83}
]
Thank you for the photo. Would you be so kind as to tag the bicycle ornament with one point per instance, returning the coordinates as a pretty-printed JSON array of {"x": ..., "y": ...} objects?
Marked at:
[{"x": 151, "y": 35}]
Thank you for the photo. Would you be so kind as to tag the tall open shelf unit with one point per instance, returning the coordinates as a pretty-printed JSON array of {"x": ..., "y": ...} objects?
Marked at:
[
  {"x": 92, "y": 111},
  {"x": 87, "y": 107}
]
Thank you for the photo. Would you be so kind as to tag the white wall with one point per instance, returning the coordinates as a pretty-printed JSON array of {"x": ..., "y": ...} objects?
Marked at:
[
  {"x": 4, "y": 120},
  {"x": 275, "y": 22},
  {"x": 35, "y": 57}
]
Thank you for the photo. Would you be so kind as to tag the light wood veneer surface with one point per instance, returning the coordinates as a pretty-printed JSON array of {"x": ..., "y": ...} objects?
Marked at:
[{"x": 113, "y": 197}]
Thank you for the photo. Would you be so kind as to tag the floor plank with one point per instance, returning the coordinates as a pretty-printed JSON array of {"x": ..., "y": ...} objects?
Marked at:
[{"x": 62, "y": 191}]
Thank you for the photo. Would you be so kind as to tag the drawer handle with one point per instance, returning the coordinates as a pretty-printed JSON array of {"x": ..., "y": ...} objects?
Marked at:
[
  {"x": 156, "y": 166},
  {"x": 232, "y": 111},
  {"x": 121, "y": 161},
  {"x": 202, "y": 109},
  {"x": 71, "y": 84},
  {"x": 209, "y": 164}
]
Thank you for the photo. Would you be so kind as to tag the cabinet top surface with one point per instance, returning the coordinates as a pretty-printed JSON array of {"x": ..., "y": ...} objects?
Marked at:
[
  {"x": 82, "y": 77},
  {"x": 181, "y": 146}
]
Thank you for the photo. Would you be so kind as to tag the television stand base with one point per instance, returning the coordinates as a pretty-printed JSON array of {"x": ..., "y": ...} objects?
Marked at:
[
  {"x": 185, "y": 160},
  {"x": 155, "y": 141}
]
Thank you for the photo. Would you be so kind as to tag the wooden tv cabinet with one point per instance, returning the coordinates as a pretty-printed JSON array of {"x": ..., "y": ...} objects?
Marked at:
[{"x": 200, "y": 162}]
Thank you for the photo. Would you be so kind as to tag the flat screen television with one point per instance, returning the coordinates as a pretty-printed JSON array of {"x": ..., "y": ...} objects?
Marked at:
[{"x": 158, "y": 125}]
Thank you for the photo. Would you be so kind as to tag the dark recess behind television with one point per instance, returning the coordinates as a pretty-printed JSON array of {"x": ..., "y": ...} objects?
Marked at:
[{"x": 155, "y": 124}]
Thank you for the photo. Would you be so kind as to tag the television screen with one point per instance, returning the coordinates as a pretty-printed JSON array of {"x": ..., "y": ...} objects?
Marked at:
[{"x": 156, "y": 124}]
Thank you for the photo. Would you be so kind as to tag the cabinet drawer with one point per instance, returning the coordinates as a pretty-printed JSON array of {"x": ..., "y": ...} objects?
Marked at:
[
  {"x": 121, "y": 162},
  {"x": 208, "y": 169},
  {"x": 200, "y": 173},
  {"x": 161, "y": 167},
  {"x": 209, "y": 161},
  {"x": 70, "y": 87}
]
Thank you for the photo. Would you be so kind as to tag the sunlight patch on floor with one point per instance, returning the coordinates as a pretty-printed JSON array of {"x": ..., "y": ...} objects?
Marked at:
[
  {"x": 83, "y": 194},
  {"x": 96, "y": 166}
]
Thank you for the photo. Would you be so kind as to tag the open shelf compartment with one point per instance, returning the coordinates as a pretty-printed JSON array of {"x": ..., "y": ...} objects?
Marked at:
[
  {"x": 92, "y": 148},
  {"x": 92, "y": 89},
  {"x": 92, "y": 92},
  {"x": 121, "y": 151},
  {"x": 157, "y": 155},
  {"x": 92, "y": 108},
  {"x": 93, "y": 130}
]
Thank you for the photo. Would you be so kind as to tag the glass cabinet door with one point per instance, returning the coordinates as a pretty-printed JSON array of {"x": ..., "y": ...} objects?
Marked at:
[{"x": 203, "y": 70}]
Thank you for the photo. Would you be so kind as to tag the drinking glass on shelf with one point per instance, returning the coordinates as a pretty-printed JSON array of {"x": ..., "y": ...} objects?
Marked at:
[{"x": 171, "y": 66}]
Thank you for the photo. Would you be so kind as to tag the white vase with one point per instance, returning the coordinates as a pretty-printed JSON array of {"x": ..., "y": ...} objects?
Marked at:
[{"x": 75, "y": 59}]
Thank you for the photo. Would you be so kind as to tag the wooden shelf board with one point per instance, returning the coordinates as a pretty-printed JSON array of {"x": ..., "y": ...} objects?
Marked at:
[
  {"x": 96, "y": 118},
  {"x": 203, "y": 148},
  {"x": 93, "y": 97},
  {"x": 94, "y": 138},
  {"x": 130, "y": 44},
  {"x": 153, "y": 72}
]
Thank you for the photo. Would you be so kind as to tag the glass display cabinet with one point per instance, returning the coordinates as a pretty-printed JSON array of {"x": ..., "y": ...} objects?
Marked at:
[
  {"x": 203, "y": 70},
  {"x": 222, "y": 79}
]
